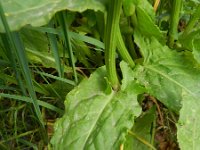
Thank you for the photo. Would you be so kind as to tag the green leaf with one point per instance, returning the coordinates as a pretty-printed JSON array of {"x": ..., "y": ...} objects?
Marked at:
[
  {"x": 38, "y": 12},
  {"x": 38, "y": 49},
  {"x": 147, "y": 7},
  {"x": 143, "y": 129},
  {"x": 188, "y": 127},
  {"x": 196, "y": 49},
  {"x": 58, "y": 87},
  {"x": 196, "y": 1},
  {"x": 191, "y": 42},
  {"x": 146, "y": 25},
  {"x": 165, "y": 73},
  {"x": 95, "y": 117},
  {"x": 173, "y": 76},
  {"x": 29, "y": 100},
  {"x": 129, "y": 7},
  {"x": 145, "y": 22}
]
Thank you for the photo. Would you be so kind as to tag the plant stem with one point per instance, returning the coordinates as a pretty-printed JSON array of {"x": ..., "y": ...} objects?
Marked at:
[
  {"x": 176, "y": 7},
  {"x": 192, "y": 21},
  {"x": 112, "y": 24},
  {"x": 123, "y": 50},
  {"x": 131, "y": 46}
]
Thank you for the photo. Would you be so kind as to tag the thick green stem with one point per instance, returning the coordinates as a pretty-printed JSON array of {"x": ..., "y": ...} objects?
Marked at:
[
  {"x": 177, "y": 4},
  {"x": 192, "y": 21},
  {"x": 112, "y": 24},
  {"x": 123, "y": 50}
]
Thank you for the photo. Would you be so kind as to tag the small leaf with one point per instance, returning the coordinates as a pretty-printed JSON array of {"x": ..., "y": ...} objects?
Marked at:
[
  {"x": 146, "y": 25},
  {"x": 191, "y": 42},
  {"x": 95, "y": 119},
  {"x": 147, "y": 7}
]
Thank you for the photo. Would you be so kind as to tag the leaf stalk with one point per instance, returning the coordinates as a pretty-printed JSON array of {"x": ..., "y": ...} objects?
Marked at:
[{"x": 112, "y": 24}]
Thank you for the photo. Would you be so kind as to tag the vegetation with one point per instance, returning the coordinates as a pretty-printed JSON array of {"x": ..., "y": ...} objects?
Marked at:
[{"x": 99, "y": 74}]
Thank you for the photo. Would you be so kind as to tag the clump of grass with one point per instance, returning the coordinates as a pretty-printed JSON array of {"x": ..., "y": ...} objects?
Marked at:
[{"x": 31, "y": 94}]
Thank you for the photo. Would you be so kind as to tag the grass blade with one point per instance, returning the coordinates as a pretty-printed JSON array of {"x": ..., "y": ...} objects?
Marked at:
[
  {"x": 54, "y": 48},
  {"x": 29, "y": 100},
  {"x": 18, "y": 49},
  {"x": 67, "y": 41},
  {"x": 56, "y": 78}
]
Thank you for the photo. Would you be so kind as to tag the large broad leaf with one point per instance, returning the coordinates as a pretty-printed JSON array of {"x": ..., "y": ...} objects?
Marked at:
[
  {"x": 171, "y": 77},
  {"x": 189, "y": 121},
  {"x": 165, "y": 72},
  {"x": 97, "y": 117},
  {"x": 39, "y": 12}
]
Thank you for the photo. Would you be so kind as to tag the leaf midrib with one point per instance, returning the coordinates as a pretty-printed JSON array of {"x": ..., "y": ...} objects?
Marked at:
[{"x": 95, "y": 122}]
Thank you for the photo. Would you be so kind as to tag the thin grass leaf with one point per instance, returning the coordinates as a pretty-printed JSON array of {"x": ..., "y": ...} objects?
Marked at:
[
  {"x": 29, "y": 100},
  {"x": 20, "y": 50},
  {"x": 10, "y": 52},
  {"x": 11, "y": 80},
  {"x": 4, "y": 63},
  {"x": 54, "y": 48},
  {"x": 73, "y": 35},
  {"x": 18, "y": 136},
  {"x": 87, "y": 39},
  {"x": 3, "y": 87},
  {"x": 17, "y": 47},
  {"x": 48, "y": 83},
  {"x": 56, "y": 78},
  {"x": 32, "y": 145},
  {"x": 67, "y": 41}
]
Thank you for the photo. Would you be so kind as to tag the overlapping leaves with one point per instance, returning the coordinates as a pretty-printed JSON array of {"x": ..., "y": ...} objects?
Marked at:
[
  {"x": 173, "y": 77},
  {"x": 39, "y": 12},
  {"x": 96, "y": 116},
  {"x": 165, "y": 72}
]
